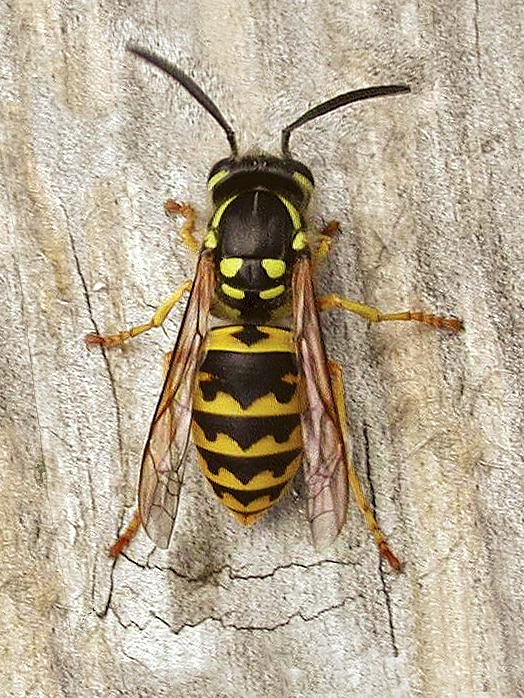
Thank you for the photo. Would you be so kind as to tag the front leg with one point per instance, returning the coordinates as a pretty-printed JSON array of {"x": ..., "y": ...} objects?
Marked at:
[{"x": 115, "y": 340}]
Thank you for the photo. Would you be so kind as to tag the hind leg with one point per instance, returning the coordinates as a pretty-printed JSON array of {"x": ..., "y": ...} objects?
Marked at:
[{"x": 354, "y": 482}]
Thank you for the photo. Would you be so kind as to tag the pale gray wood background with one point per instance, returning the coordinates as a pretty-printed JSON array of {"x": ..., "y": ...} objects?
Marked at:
[{"x": 428, "y": 190}]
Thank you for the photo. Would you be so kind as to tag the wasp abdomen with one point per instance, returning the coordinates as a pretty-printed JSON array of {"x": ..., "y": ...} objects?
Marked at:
[{"x": 246, "y": 417}]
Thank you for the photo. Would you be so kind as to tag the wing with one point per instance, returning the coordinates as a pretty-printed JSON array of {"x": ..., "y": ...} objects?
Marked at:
[
  {"x": 325, "y": 457},
  {"x": 161, "y": 473}
]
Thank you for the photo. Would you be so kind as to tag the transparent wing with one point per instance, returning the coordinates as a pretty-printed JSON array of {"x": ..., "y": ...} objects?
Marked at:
[
  {"x": 325, "y": 457},
  {"x": 162, "y": 469}
]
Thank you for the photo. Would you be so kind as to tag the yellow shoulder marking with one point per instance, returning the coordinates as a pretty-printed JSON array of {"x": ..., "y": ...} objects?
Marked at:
[
  {"x": 293, "y": 213},
  {"x": 216, "y": 178},
  {"x": 215, "y": 220}
]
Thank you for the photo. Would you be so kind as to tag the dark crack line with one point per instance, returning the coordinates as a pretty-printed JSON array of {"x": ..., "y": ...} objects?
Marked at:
[
  {"x": 93, "y": 321},
  {"x": 255, "y": 628},
  {"x": 385, "y": 589},
  {"x": 130, "y": 623},
  {"x": 103, "y": 612},
  {"x": 137, "y": 661},
  {"x": 250, "y": 628},
  {"x": 234, "y": 576}
]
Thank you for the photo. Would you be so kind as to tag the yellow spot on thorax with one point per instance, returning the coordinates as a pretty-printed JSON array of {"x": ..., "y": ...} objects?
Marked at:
[
  {"x": 229, "y": 266},
  {"x": 299, "y": 241},
  {"x": 232, "y": 292},
  {"x": 274, "y": 267},
  {"x": 210, "y": 241},
  {"x": 271, "y": 293}
]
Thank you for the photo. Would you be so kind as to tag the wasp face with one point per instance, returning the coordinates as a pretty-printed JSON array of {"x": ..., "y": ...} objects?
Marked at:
[{"x": 285, "y": 176}]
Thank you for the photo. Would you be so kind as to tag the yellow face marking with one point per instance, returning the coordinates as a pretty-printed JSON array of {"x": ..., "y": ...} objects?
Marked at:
[
  {"x": 220, "y": 211},
  {"x": 299, "y": 241},
  {"x": 216, "y": 178},
  {"x": 273, "y": 267},
  {"x": 233, "y": 292},
  {"x": 304, "y": 182},
  {"x": 210, "y": 241},
  {"x": 293, "y": 213},
  {"x": 271, "y": 293},
  {"x": 230, "y": 266}
]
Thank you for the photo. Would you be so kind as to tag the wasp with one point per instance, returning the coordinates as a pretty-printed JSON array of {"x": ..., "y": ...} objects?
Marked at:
[{"x": 249, "y": 377}]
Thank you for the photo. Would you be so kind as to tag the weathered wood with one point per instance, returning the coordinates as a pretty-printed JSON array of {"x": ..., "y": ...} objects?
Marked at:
[{"x": 428, "y": 192}]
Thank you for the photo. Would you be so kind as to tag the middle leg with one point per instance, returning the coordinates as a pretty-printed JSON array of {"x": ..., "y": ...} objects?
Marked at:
[{"x": 372, "y": 314}]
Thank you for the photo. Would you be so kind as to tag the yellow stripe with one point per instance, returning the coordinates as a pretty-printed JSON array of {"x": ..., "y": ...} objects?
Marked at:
[
  {"x": 233, "y": 292},
  {"x": 299, "y": 241},
  {"x": 265, "y": 406},
  {"x": 226, "y": 445},
  {"x": 305, "y": 183},
  {"x": 215, "y": 220},
  {"x": 279, "y": 339},
  {"x": 237, "y": 509},
  {"x": 261, "y": 481},
  {"x": 247, "y": 519},
  {"x": 271, "y": 293},
  {"x": 296, "y": 219},
  {"x": 216, "y": 178},
  {"x": 210, "y": 241}
]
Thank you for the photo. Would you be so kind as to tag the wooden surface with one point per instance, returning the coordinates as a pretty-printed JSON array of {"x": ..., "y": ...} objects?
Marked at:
[{"x": 428, "y": 190}]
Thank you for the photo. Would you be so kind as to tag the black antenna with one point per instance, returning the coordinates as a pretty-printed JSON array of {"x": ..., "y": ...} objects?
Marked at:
[
  {"x": 335, "y": 103},
  {"x": 194, "y": 90}
]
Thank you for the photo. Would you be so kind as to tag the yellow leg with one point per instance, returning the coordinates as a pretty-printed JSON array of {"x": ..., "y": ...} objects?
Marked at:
[
  {"x": 325, "y": 240},
  {"x": 187, "y": 232},
  {"x": 354, "y": 482},
  {"x": 373, "y": 315},
  {"x": 114, "y": 340}
]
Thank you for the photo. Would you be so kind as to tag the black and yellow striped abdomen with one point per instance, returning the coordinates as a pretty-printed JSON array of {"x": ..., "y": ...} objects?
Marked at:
[{"x": 246, "y": 417}]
